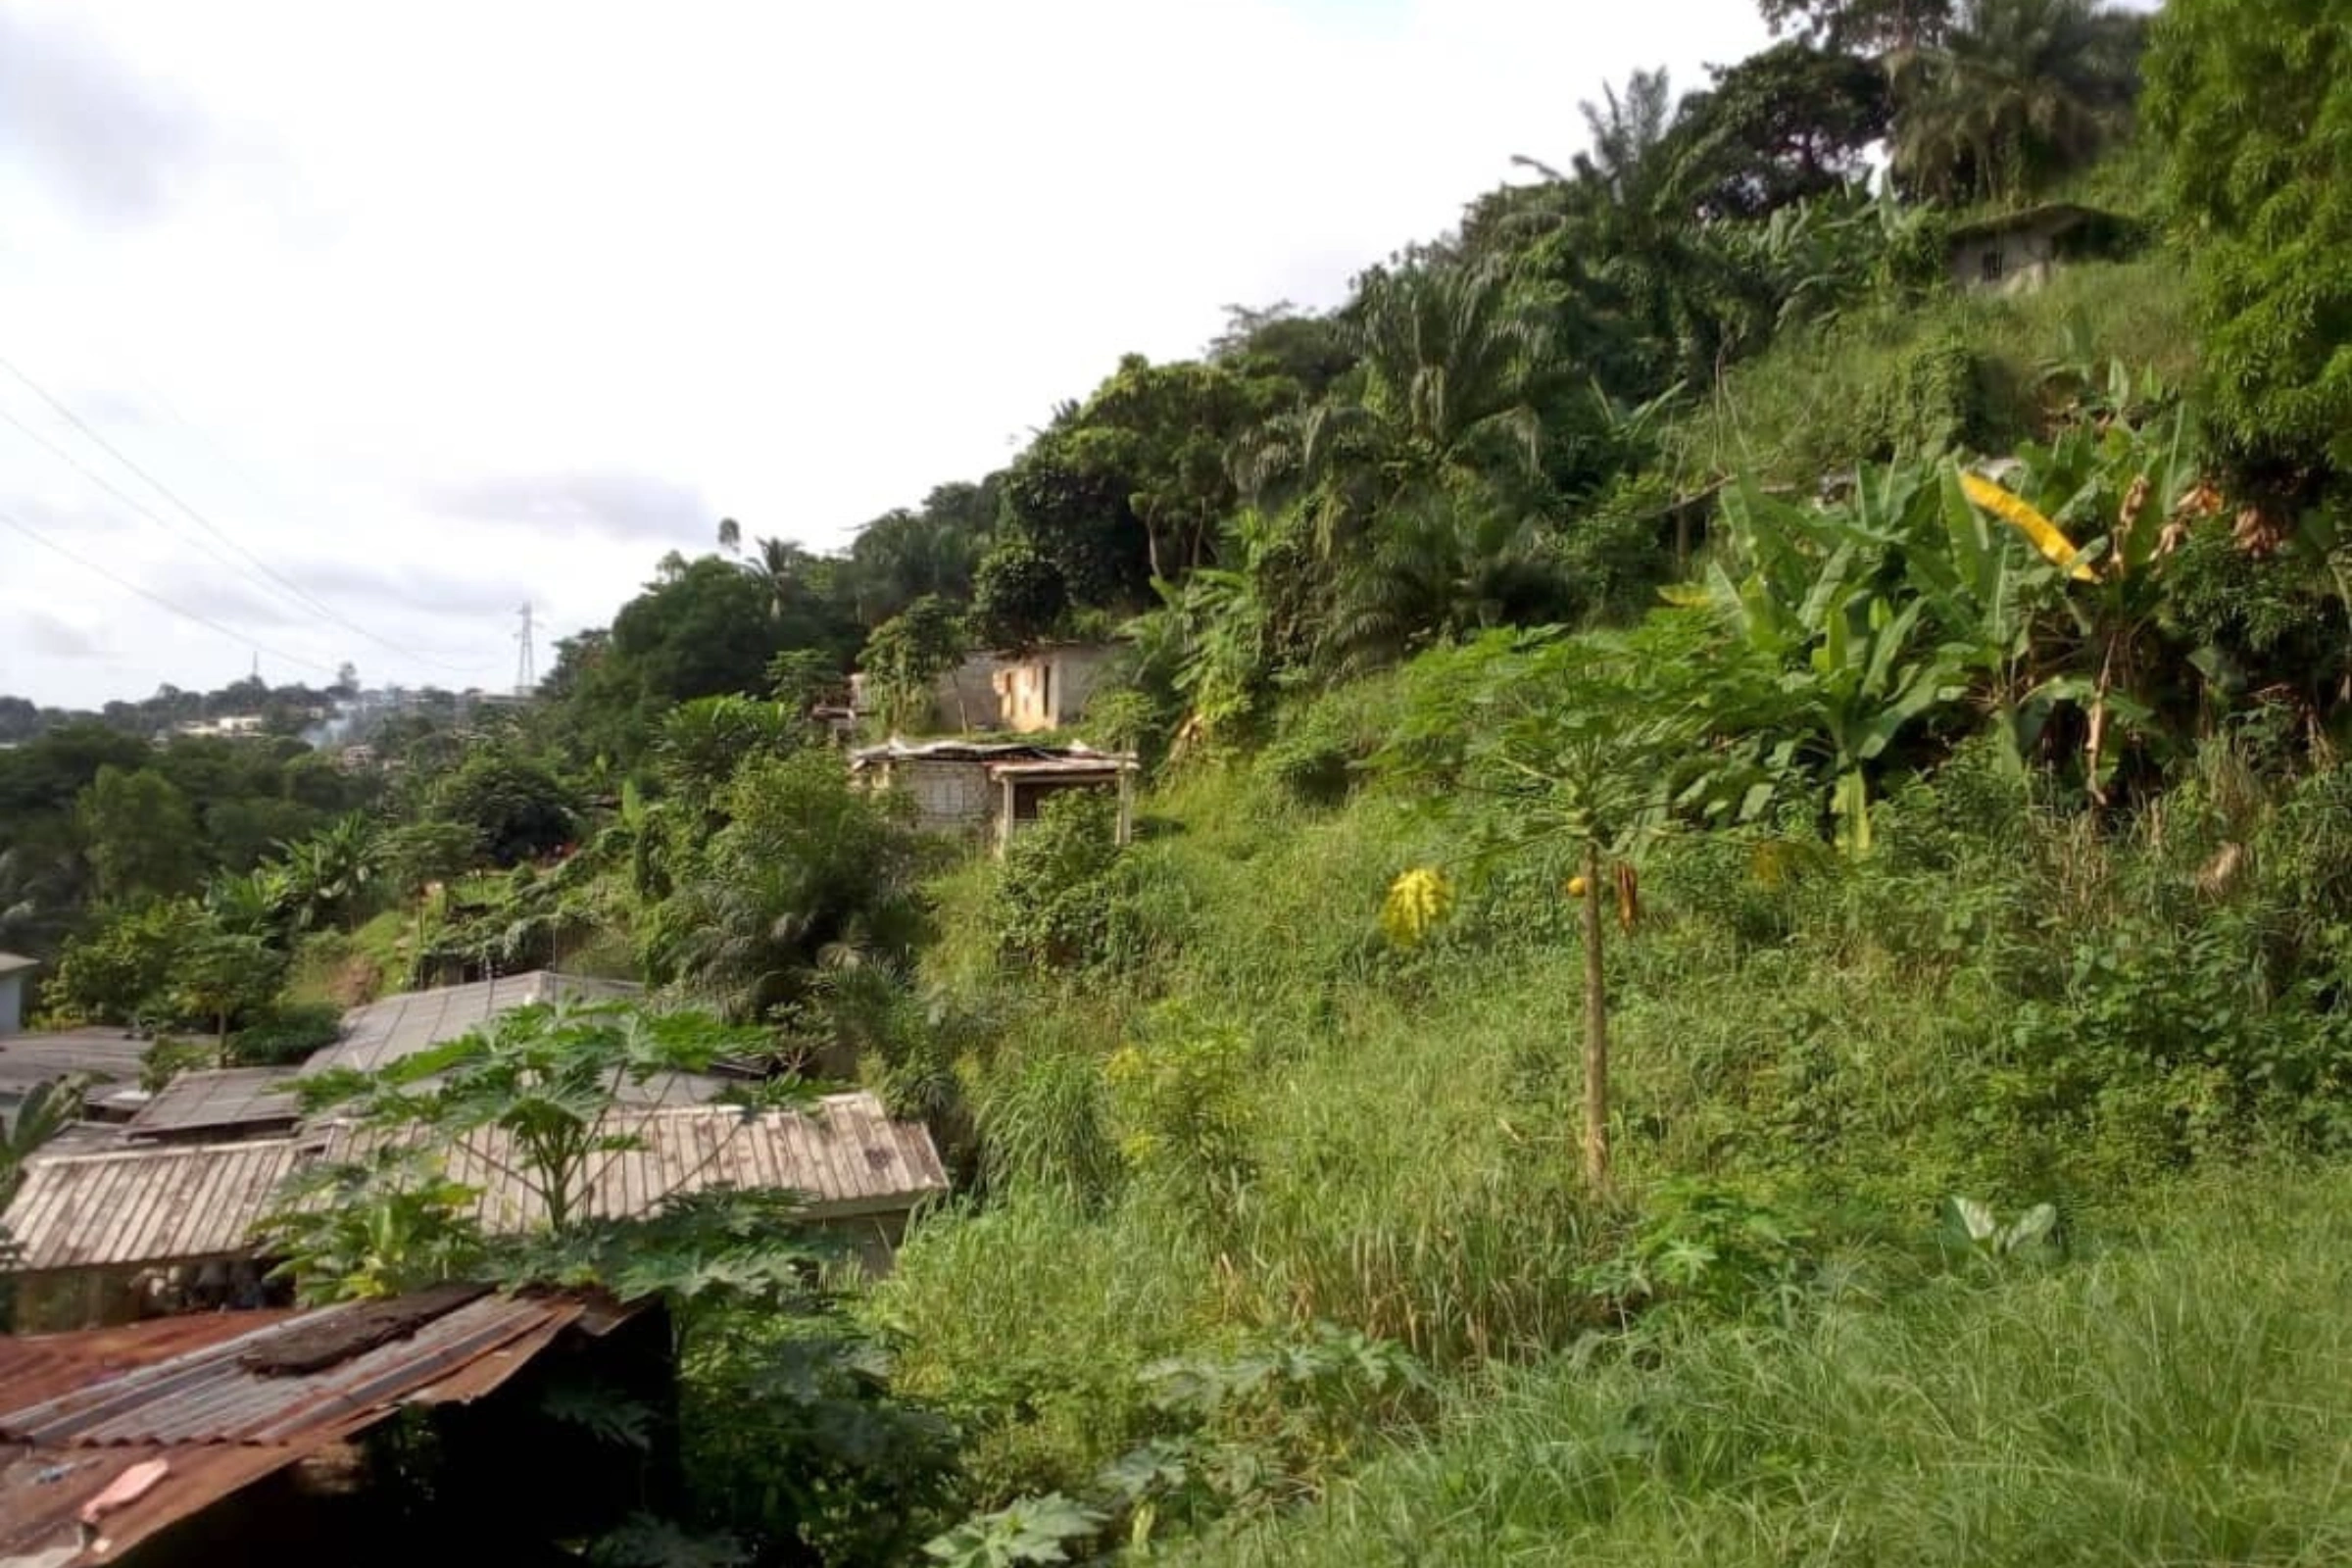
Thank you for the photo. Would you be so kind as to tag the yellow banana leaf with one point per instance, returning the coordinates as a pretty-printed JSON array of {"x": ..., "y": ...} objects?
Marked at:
[{"x": 2020, "y": 514}]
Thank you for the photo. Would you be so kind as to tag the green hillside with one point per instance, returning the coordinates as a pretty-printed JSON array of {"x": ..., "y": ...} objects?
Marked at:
[{"x": 1734, "y": 948}]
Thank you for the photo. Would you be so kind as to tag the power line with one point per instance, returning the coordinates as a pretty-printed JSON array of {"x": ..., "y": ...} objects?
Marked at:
[
  {"x": 181, "y": 610},
  {"x": 301, "y": 595},
  {"x": 121, "y": 494}
]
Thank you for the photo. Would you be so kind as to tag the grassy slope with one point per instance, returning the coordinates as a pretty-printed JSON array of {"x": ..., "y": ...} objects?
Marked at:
[
  {"x": 2180, "y": 1399},
  {"x": 1806, "y": 407},
  {"x": 1844, "y": 1039}
]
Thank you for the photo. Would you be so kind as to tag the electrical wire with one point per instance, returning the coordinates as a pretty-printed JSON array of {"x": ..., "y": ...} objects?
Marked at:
[
  {"x": 301, "y": 595},
  {"x": 181, "y": 610}
]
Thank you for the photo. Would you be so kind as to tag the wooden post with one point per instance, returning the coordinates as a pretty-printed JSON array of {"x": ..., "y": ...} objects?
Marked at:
[{"x": 1596, "y": 1033}]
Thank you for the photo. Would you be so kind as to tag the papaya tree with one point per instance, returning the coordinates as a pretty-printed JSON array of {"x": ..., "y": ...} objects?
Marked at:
[{"x": 1597, "y": 742}]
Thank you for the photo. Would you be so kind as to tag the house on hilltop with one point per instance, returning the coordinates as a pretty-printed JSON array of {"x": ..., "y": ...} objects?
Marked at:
[
  {"x": 1027, "y": 692},
  {"x": 2018, "y": 252}
]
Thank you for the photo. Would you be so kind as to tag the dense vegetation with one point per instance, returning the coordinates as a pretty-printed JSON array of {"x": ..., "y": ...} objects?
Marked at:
[{"x": 1737, "y": 948}]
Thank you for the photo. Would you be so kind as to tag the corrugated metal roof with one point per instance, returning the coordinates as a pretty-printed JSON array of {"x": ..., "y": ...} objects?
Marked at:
[
  {"x": 1065, "y": 767},
  {"x": 106, "y": 1056},
  {"x": 896, "y": 750},
  {"x": 383, "y": 1032},
  {"x": 225, "y": 1413},
  {"x": 847, "y": 1157},
  {"x": 147, "y": 1205},
  {"x": 219, "y": 1100},
  {"x": 152, "y": 1204},
  {"x": 36, "y": 1367}
]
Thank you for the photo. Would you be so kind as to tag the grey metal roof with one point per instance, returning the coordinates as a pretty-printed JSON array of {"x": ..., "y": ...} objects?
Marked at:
[
  {"x": 148, "y": 1203},
  {"x": 219, "y": 1100},
  {"x": 106, "y": 1056},
  {"x": 845, "y": 1157},
  {"x": 383, "y": 1032},
  {"x": 12, "y": 963},
  {"x": 161, "y": 1202},
  {"x": 896, "y": 750}
]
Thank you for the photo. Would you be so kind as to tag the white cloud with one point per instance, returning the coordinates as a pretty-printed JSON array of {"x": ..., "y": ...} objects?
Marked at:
[{"x": 799, "y": 264}]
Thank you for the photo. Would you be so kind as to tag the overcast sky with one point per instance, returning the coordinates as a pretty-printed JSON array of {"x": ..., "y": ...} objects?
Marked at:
[{"x": 436, "y": 308}]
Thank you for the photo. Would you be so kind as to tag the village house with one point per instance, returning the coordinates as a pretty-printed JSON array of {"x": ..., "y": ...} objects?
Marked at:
[
  {"x": 1027, "y": 692},
  {"x": 153, "y": 1203},
  {"x": 2018, "y": 252},
  {"x": 988, "y": 790}
]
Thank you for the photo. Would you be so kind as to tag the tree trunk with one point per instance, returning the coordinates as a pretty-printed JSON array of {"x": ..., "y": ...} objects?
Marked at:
[
  {"x": 221, "y": 1042},
  {"x": 1597, "y": 1034}
]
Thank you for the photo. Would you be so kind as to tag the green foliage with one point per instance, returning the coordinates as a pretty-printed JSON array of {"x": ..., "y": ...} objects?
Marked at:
[
  {"x": 1710, "y": 1244},
  {"x": 1034, "y": 1530},
  {"x": 374, "y": 1227},
  {"x": 46, "y": 1109},
  {"x": 219, "y": 976},
  {"x": 1818, "y": 399},
  {"x": 2250, "y": 100},
  {"x": 1056, "y": 887},
  {"x": 1931, "y": 399},
  {"x": 906, "y": 655},
  {"x": 1019, "y": 596},
  {"x": 1974, "y": 1228},
  {"x": 2015, "y": 1423},
  {"x": 139, "y": 834},
  {"x": 807, "y": 874},
  {"x": 1180, "y": 1101},
  {"x": 792, "y": 1435},
  {"x": 286, "y": 1034},
  {"x": 519, "y": 809},
  {"x": 545, "y": 1077},
  {"x": 703, "y": 742},
  {"x": 2013, "y": 95},
  {"x": 1783, "y": 125},
  {"x": 118, "y": 972}
]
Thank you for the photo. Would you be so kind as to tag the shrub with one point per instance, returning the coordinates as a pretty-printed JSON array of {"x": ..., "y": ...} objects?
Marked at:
[
  {"x": 1055, "y": 890},
  {"x": 1930, "y": 400},
  {"x": 288, "y": 1033}
]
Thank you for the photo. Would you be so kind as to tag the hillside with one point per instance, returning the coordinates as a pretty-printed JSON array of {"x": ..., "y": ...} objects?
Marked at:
[{"x": 1733, "y": 946}]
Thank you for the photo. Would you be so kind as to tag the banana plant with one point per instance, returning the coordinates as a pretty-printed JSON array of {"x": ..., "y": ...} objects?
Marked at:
[
  {"x": 1858, "y": 667},
  {"x": 2130, "y": 495}
]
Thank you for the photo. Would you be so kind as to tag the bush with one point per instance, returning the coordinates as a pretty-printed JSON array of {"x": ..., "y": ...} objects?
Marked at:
[
  {"x": 1055, "y": 891},
  {"x": 288, "y": 1033},
  {"x": 1932, "y": 399},
  {"x": 517, "y": 809}
]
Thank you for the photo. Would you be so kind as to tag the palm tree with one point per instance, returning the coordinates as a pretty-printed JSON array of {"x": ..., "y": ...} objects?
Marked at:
[
  {"x": 1440, "y": 403},
  {"x": 2018, "y": 92}
]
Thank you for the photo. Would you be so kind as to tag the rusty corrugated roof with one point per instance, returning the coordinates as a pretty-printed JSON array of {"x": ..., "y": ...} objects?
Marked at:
[
  {"x": 225, "y": 1413},
  {"x": 35, "y": 1367}
]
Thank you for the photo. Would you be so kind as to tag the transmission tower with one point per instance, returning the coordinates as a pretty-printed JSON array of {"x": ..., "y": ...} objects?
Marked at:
[{"x": 526, "y": 668}]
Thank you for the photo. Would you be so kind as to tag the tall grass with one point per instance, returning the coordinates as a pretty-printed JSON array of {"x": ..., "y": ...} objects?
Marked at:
[
  {"x": 2005, "y": 1001},
  {"x": 2181, "y": 1399},
  {"x": 1809, "y": 406}
]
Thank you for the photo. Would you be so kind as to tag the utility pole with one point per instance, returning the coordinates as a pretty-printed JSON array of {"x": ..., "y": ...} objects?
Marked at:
[{"x": 526, "y": 669}]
